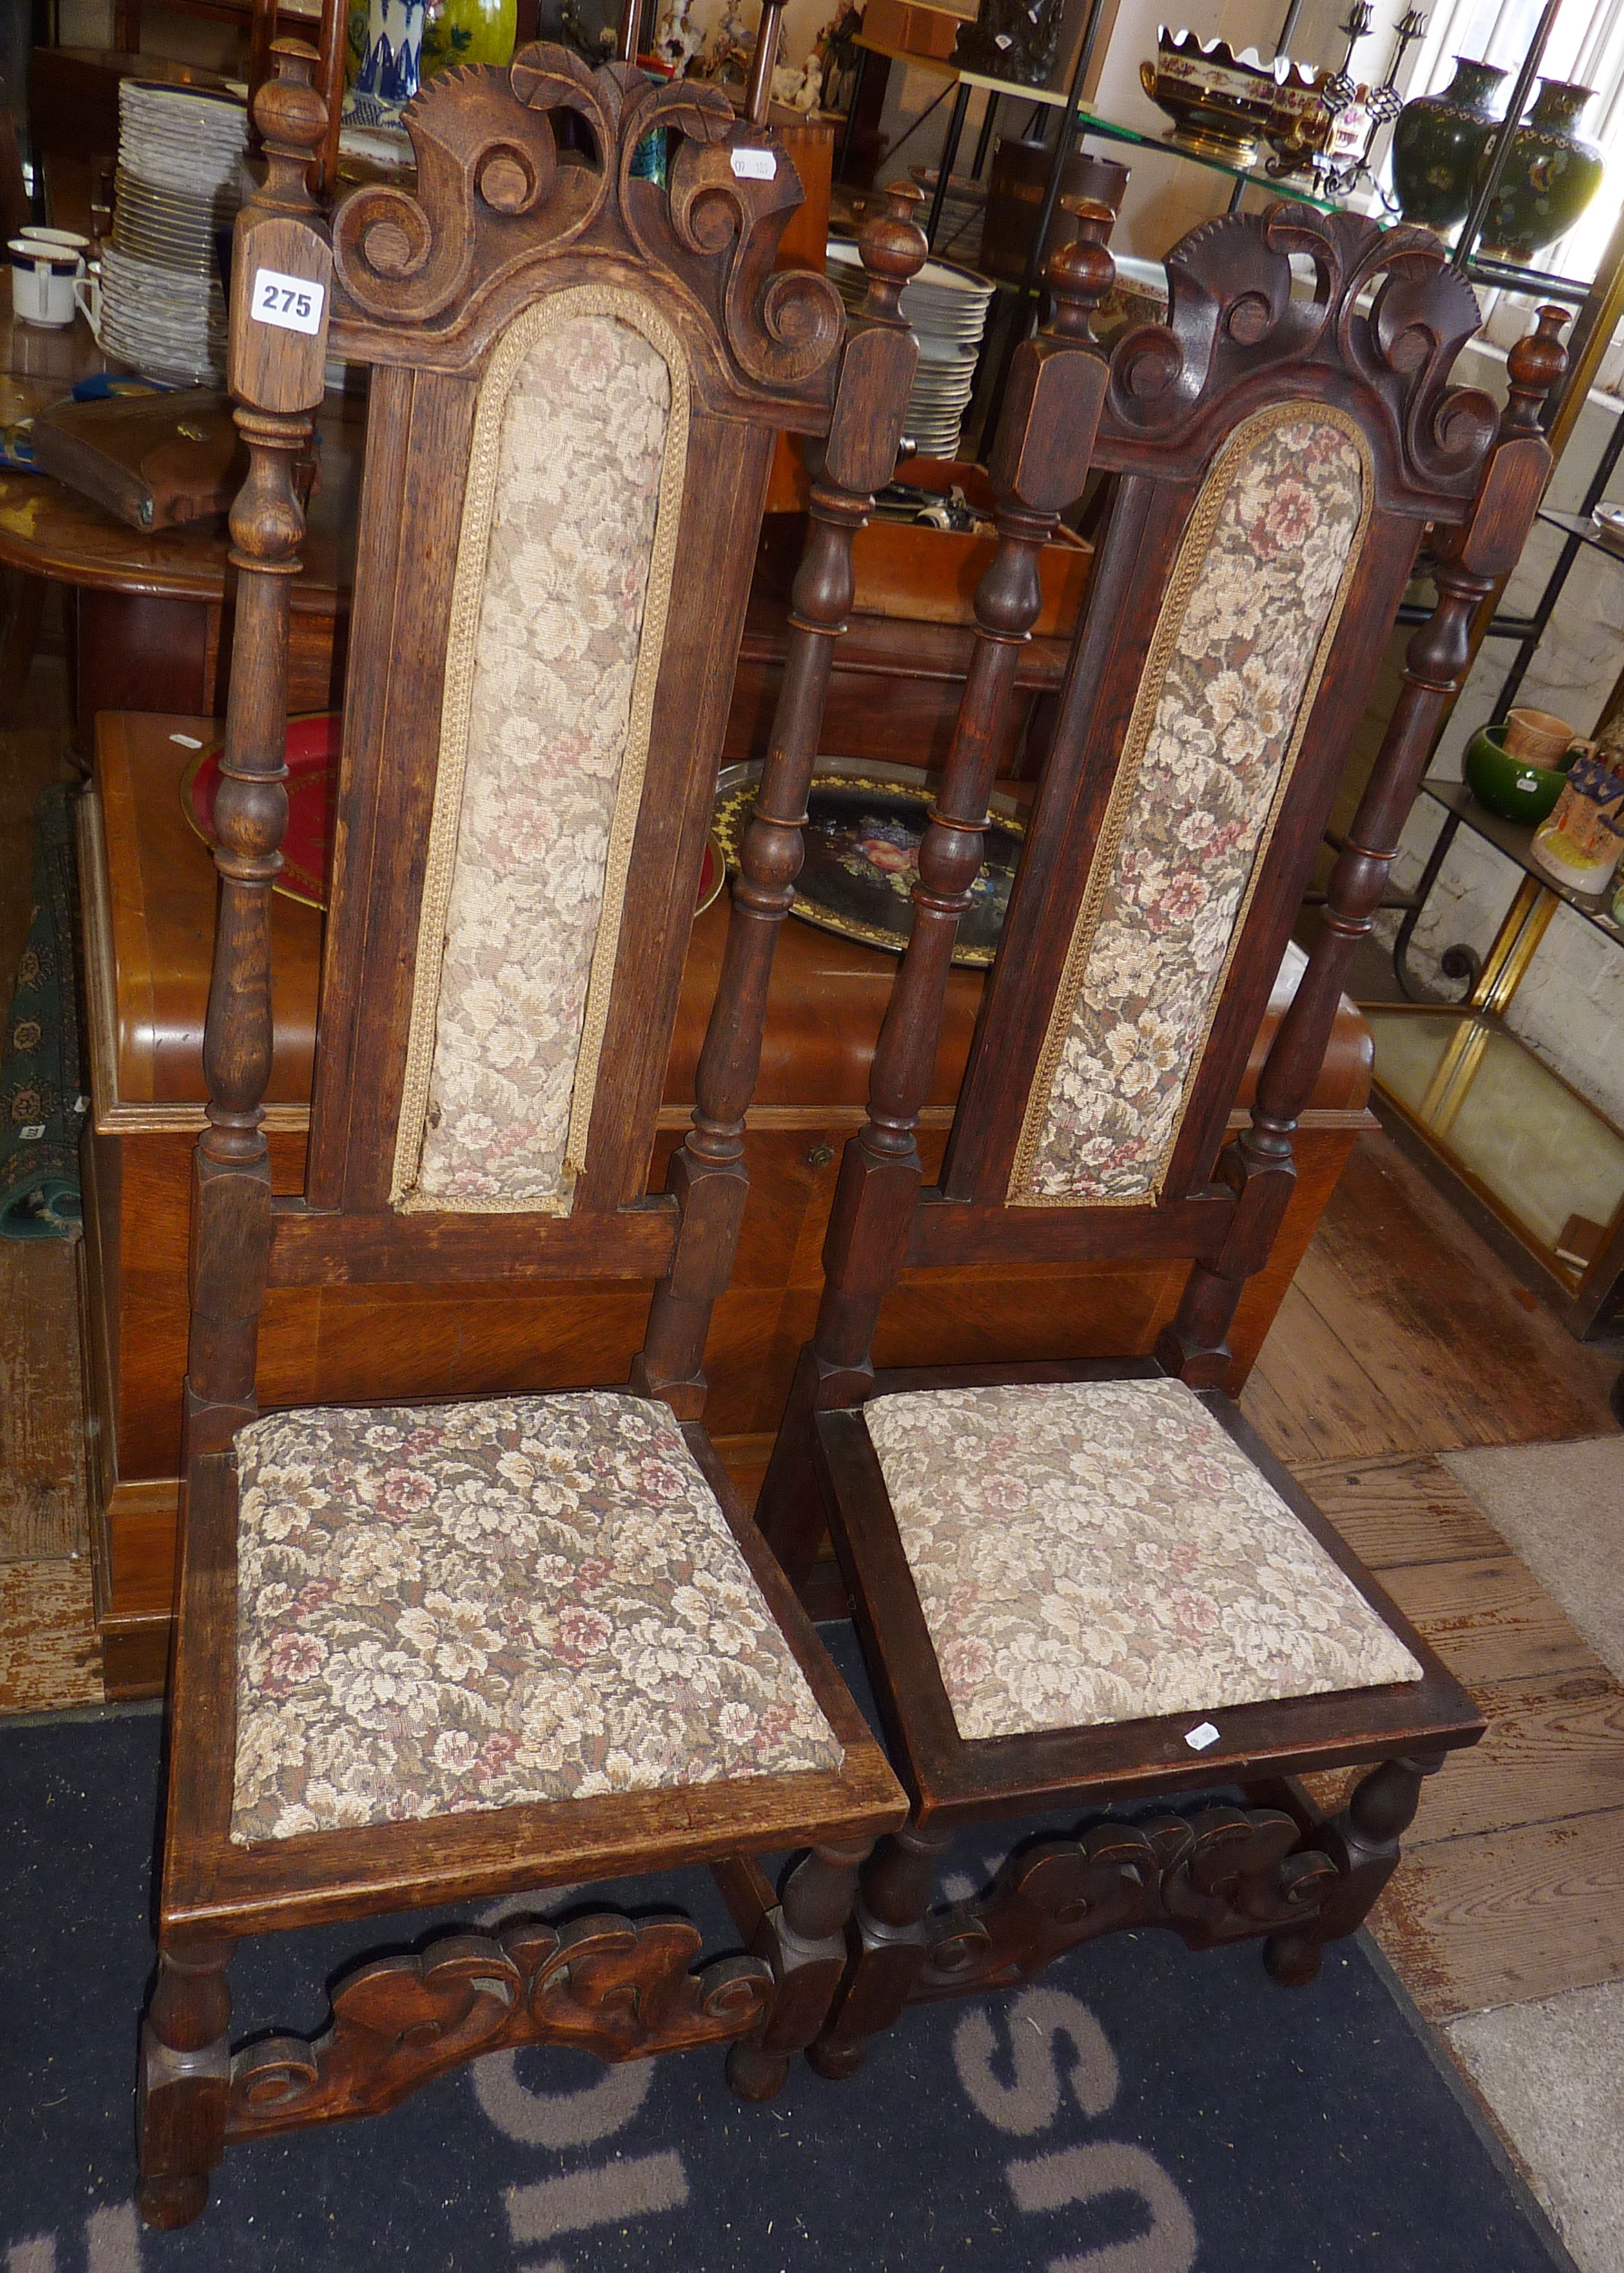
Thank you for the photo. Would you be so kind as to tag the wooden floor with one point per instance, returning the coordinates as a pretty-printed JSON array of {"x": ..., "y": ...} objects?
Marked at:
[{"x": 1404, "y": 1335}]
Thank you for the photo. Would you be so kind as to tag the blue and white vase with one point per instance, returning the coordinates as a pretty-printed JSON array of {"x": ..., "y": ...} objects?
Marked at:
[{"x": 385, "y": 60}]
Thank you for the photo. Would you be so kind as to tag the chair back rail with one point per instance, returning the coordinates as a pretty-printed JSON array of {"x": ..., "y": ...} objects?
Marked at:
[
  {"x": 513, "y": 248},
  {"x": 1253, "y": 425}
]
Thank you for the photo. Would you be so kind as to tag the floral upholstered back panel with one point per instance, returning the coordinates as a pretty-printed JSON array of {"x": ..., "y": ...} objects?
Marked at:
[
  {"x": 1251, "y": 610},
  {"x": 563, "y": 572}
]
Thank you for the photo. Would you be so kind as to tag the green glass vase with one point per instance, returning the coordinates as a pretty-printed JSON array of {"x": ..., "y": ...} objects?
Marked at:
[
  {"x": 469, "y": 32},
  {"x": 1438, "y": 142},
  {"x": 1551, "y": 175}
]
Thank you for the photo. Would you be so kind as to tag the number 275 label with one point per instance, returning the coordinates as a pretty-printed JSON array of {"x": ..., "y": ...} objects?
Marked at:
[{"x": 293, "y": 303}]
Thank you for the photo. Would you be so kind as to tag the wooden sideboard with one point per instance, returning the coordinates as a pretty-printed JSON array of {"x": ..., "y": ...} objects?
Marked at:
[{"x": 148, "y": 892}]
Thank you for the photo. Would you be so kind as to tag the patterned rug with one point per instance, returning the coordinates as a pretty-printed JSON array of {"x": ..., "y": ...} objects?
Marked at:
[
  {"x": 43, "y": 1085},
  {"x": 1137, "y": 2111}
]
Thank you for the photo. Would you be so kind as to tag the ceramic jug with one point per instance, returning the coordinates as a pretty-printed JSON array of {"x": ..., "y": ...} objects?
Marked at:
[
  {"x": 468, "y": 31},
  {"x": 385, "y": 60}
]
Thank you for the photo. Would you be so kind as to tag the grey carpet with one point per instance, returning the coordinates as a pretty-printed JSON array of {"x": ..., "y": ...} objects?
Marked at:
[
  {"x": 1561, "y": 1508},
  {"x": 1554, "y": 2074},
  {"x": 1553, "y": 2070}
]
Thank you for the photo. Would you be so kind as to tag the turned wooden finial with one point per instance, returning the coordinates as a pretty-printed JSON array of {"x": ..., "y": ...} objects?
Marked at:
[
  {"x": 758, "y": 90},
  {"x": 1080, "y": 274},
  {"x": 1536, "y": 363},
  {"x": 893, "y": 247},
  {"x": 292, "y": 119}
]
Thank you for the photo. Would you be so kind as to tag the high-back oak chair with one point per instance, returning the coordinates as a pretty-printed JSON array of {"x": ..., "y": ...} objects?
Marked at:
[
  {"x": 426, "y": 1655},
  {"x": 1086, "y": 1585}
]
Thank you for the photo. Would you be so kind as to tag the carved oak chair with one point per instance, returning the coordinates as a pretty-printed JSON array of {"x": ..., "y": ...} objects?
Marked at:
[
  {"x": 428, "y": 1655},
  {"x": 1088, "y": 1586}
]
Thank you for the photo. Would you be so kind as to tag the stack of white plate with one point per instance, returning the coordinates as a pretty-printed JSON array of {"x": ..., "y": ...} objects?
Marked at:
[
  {"x": 179, "y": 181},
  {"x": 947, "y": 308}
]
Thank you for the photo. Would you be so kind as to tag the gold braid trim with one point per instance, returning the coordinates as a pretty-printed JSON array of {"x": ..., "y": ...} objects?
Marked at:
[
  {"x": 467, "y": 595},
  {"x": 1124, "y": 790}
]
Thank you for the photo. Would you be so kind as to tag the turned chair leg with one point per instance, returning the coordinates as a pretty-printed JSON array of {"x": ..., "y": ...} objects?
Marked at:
[
  {"x": 185, "y": 2073},
  {"x": 1363, "y": 1843},
  {"x": 803, "y": 1939},
  {"x": 887, "y": 1948}
]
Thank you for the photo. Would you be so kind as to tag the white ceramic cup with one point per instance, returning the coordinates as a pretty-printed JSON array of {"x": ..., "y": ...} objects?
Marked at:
[
  {"x": 65, "y": 240},
  {"x": 42, "y": 281},
  {"x": 87, "y": 298}
]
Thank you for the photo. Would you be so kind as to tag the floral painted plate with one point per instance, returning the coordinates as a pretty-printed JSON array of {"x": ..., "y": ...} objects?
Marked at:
[
  {"x": 864, "y": 824},
  {"x": 313, "y": 744}
]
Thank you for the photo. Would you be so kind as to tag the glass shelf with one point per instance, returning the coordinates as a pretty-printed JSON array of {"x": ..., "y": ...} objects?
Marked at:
[
  {"x": 1106, "y": 130},
  {"x": 1581, "y": 525},
  {"x": 1515, "y": 838},
  {"x": 1512, "y": 276},
  {"x": 1088, "y": 121},
  {"x": 1546, "y": 1164},
  {"x": 1542, "y": 1158}
]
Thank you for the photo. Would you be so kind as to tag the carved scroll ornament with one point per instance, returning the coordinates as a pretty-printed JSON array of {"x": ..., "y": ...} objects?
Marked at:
[
  {"x": 494, "y": 189},
  {"x": 1232, "y": 309},
  {"x": 1222, "y": 1875},
  {"x": 618, "y": 1987}
]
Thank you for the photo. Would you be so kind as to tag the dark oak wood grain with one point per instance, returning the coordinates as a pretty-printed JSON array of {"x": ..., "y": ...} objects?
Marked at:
[
  {"x": 148, "y": 887},
  {"x": 1235, "y": 345},
  {"x": 423, "y": 290}
]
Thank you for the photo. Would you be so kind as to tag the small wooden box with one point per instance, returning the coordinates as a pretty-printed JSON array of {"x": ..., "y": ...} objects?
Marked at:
[
  {"x": 928, "y": 575},
  {"x": 914, "y": 573}
]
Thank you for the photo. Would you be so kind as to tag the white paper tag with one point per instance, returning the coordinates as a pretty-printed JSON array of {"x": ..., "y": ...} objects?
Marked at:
[
  {"x": 755, "y": 165},
  {"x": 187, "y": 741},
  {"x": 293, "y": 303},
  {"x": 1198, "y": 1739},
  {"x": 35, "y": 1131}
]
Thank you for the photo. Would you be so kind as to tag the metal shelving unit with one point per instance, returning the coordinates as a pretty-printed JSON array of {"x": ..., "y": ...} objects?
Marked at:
[
  {"x": 1464, "y": 1088},
  {"x": 1599, "y": 304}
]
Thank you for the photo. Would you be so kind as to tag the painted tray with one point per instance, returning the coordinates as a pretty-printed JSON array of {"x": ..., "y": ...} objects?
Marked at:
[
  {"x": 864, "y": 824},
  {"x": 313, "y": 745}
]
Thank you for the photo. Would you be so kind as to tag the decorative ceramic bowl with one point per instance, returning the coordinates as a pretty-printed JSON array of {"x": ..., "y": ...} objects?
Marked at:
[
  {"x": 1300, "y": 125},
  {"x": 1220, "y": 102},
  {"x": 1506, "y": 785},
  {"x": 1139, "y": 296}
]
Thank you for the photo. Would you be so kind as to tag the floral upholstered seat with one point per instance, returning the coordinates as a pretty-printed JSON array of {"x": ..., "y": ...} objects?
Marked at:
[
  {"x": 1088, "y": 1552},
  {"x": 453, "y": 1607}
]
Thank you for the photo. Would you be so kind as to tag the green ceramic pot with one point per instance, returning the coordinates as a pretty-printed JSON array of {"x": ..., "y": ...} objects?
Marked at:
[
  {"x": 1551, "y": 175},
  {"x": 1438, "y": 141},
  {"x": 469, "y": 32},
  {"x": 1506, "y": 785}
]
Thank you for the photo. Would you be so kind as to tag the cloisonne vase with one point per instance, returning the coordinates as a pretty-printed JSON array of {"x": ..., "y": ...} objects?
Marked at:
[
  {"x": 469, "y": 32},
  {"x": 1438, "y": 142},
  {"x": 385, "y": 60},
  {"x": 1552, "y": 174}
]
